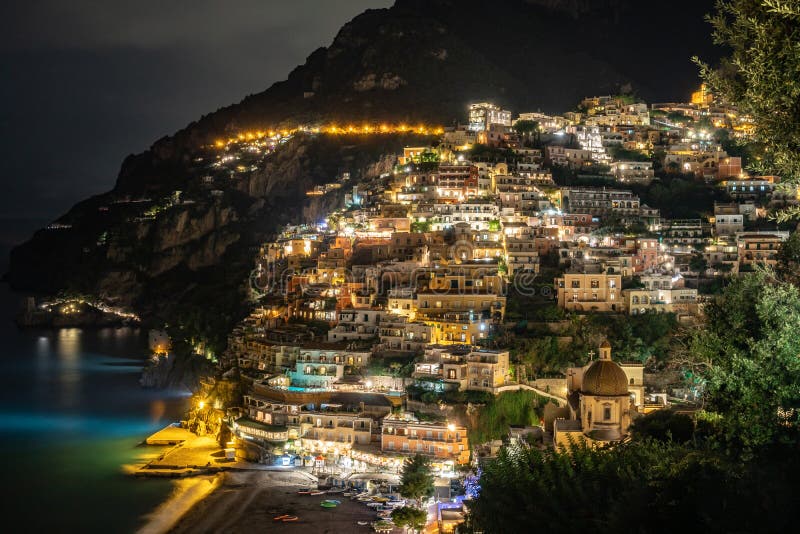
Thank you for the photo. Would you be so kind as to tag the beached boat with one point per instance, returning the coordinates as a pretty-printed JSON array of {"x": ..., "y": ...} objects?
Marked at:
[
  {"x": 304, "y": 491},
  {"x": 328, "y": 504},
  {"x": 317, "y": 492},
  {"x": 280, "y": 517},
  {"x": 382, "y": 526},
  {"x": 290, "y": 518},
  {"x": 380, "y": 499}
]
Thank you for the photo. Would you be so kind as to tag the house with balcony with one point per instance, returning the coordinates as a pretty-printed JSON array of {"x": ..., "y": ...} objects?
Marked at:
[
  {"x": 522, "y": 255},
  {"x": 398, "y": 333},
  {"x": 355, "y": 324},
  {"x": 402, "y": 433},
  {"x": 759, "y": 248},
  {"x": 321, "y": 368},
  {"x": 463, "y": 368},
  {"x": 590, "y": 286},
  {"x": 335, "y": 428}
]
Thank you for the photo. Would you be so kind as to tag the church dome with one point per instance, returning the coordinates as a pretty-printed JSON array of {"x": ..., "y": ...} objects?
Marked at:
[{"x": 606, "y": 378}]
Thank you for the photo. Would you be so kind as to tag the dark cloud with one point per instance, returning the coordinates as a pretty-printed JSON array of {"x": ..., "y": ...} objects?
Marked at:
[{"x": 86, "y": 82}]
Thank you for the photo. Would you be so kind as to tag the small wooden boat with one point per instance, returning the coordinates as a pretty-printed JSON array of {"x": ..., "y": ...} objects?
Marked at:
[
  {"x": 363, "y": 523},
  {"x": 290, "y": 518},
  {"x": 328, "y": 504},
  {"x": 380, "y": 499},
  {"x": 304, "y": 491},
  {"x": 280, "y": 517},
  {"x": 317, "y": 492}
]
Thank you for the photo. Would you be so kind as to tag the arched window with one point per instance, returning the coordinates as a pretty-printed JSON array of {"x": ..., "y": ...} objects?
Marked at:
[{"x": 606, "y": 412}]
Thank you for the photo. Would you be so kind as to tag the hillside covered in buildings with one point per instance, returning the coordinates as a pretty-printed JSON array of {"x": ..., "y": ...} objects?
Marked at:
[
  {"x": 522, "y": 285},
  {"x": 177, "y": 217}
]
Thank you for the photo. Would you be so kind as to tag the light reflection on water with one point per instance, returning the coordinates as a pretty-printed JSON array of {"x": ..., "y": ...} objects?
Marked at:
[{"x": 72, "y": 415}]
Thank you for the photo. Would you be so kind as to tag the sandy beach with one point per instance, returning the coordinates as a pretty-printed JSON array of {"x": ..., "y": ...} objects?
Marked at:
[{"x": 247, "y": 501}]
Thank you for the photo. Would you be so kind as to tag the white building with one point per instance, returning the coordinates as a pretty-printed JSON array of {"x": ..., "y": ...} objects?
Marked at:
[{"x": 483, "y": 114}]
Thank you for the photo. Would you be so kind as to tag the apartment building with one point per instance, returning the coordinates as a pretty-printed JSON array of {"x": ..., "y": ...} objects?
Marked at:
[
  {"x": 574, "y": 158},
  {"x": 728, "y": 220},
  {"x": 685, "y": 234},
  {"x": 398, "y": 333},
  {"x": 522, "y": 255},
  {"x": 405, "y": 434},
  {"x": 633, "y": 171},
  {"x": 484, "y": 114},
  {"x": 334, "y": 427},
  {"x": 353, "y": 324},
  {"x": 590, "y": 287},
  {"x": 464, "y": 368},
  {"x": 759, "y": 248},
  {"x": 321, "y": 368}
]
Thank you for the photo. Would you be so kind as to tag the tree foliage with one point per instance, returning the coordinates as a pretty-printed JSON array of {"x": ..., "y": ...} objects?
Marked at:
[
  {"x": 523, "y": 408},
  {"x": 731, "y": 469},
  {"x": 788, "y": 266},
  {"x": 642, "y": 486},
  {"x": 752, "y": 346},
  {"x": 761, "y": 77},
  {"x": 663, "y": 425},
  {"x": 416, "y": 480},
  {"x": 410, "y": 517}
]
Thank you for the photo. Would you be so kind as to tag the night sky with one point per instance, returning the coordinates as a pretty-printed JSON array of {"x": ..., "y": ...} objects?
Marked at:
[{"x": 86, "y": 82}]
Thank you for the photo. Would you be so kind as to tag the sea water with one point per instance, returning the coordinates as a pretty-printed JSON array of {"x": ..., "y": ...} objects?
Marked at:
[{"x": 72, "y": 416}]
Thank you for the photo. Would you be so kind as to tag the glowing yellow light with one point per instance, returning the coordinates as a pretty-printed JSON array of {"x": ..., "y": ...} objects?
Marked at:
[
  {"x": 451, "y": 427},
  {"x": 219, "y": 143},
  {"x": 201, "y": 404}
]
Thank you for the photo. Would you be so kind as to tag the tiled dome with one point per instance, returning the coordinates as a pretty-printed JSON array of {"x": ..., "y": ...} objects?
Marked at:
[{"x": 604, "y": 377}]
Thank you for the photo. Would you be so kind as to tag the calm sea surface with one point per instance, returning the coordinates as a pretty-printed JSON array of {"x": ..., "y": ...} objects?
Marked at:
[{"x": 71, "y": 416}]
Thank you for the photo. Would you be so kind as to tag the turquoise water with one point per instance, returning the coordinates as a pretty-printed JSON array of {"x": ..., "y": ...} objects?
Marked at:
[
  {"x": 71, "y": 416},
  {"x": 305, "y": 389}
]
